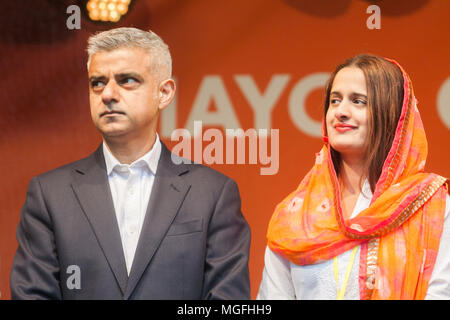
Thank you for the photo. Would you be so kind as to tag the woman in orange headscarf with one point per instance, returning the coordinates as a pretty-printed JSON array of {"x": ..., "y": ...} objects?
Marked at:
[{"x": 366, "y": 222}]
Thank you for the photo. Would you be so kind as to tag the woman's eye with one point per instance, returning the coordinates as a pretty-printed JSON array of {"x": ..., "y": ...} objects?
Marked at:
[
  {"x": 359, "y": 101},
  {"x": 334, "y": 101}
]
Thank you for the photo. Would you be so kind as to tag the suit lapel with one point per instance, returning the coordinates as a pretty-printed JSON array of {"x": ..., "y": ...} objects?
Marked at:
[
  {"x": 92, "y": 190},
  {"x": 168, "y": 193}
]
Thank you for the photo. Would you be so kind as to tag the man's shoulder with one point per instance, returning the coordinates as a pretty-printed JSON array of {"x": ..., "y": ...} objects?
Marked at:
[
  {"x": 66, "y": 170},
  {"x": 193, "y": 172},
  {"x": 206, "y": 172}
]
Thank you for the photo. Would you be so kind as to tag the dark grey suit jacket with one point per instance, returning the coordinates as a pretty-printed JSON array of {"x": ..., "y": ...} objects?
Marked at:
[{"x": 194, "y": 242}]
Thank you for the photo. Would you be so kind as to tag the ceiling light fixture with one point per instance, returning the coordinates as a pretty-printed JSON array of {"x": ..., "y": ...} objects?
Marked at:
[{"x": 107, "y": 10}]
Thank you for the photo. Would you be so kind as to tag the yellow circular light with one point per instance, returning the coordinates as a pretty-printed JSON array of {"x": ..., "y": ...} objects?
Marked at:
[
  {"x": 104, "y": 14},
  {"x": 91, "y": 5},
  {"x": 122, "y": 8},
  {"x": 114, "y": 16},
  {"x": 102, "y": 5},
  {"x": 94, "y": 14}
]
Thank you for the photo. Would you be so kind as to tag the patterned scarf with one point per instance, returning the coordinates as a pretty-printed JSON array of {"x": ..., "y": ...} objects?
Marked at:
[{"x": 399, "y": 232}]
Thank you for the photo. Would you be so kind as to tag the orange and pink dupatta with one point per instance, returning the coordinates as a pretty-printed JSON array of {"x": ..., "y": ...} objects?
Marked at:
[{"x": 399, "y": 232}]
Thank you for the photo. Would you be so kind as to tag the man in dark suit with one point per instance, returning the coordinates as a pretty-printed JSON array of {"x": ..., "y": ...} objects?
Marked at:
[{"x": 127, "y": 222}]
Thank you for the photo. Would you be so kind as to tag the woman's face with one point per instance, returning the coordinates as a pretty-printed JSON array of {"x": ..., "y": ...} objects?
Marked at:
[{"x": 347, "y": 115}]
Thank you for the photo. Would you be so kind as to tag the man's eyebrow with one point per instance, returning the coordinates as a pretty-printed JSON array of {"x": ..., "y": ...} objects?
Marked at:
[
  {"x": 96, "y": 78},
  {"x": 130, "y": 74}
]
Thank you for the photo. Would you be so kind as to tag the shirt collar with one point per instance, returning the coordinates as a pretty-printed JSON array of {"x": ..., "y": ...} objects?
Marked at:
[{"x": 149, "y": 160}]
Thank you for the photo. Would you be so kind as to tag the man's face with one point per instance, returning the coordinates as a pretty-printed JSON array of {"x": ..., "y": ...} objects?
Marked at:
[{"x": 124, "y": 94}]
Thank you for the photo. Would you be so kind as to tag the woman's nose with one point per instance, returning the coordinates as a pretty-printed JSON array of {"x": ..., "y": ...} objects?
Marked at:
[{"x": 343, "y": 110}]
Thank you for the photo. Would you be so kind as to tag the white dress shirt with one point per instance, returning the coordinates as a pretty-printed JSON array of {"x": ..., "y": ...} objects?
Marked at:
[
  {"x": 283, "y": 279},
  {"x": 131, "y": 186}
]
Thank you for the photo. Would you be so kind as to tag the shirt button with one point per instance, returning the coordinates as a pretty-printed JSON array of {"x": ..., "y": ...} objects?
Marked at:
[{"x": 132, "y": 229}]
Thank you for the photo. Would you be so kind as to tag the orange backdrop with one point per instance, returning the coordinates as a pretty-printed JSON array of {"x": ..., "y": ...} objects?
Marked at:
[{"x": 45, "y": 121}]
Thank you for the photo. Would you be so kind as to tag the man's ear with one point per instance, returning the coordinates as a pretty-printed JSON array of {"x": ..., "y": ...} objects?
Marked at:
[{"x": 166, "y": 93}]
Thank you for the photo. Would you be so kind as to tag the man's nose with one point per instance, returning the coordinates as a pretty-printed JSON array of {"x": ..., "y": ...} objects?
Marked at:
[{"x": 110, "y": 93}]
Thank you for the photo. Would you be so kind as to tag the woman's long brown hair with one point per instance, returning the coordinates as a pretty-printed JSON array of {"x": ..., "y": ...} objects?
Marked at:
[{"x": 384, "y": 83}]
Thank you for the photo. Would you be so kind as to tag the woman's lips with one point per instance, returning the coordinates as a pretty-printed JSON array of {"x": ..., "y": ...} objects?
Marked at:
[{"x": 344, "y": 127}]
